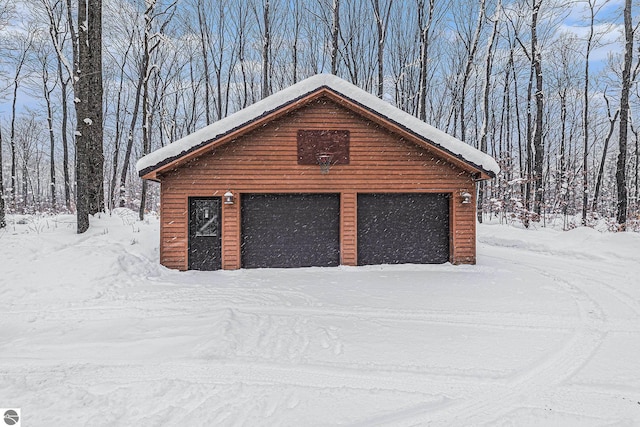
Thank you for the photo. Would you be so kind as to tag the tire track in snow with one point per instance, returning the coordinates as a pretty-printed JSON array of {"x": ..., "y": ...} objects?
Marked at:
[
  {"x": 288, "y": 338},
  {"x": 254, "y": 373},
  {"x": 494, "y": 320},
  {"x": 625, "y": 298},
  {"x": 500, "y": 399}
]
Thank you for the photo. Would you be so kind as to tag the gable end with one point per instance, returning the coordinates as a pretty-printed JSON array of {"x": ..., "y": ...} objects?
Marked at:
[{"x": 337, "y": 90}]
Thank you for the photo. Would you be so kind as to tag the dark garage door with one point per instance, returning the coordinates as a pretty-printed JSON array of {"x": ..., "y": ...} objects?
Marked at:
[
  {"x": 403, "y": 228},
  {"x": 290, "y": 230}
]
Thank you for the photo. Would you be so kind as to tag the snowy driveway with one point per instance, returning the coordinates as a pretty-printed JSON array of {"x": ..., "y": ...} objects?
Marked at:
[{"x": 545, "y": 330}]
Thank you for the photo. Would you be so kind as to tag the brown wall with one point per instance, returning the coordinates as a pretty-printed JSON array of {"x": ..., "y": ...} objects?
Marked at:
[{"x": 265, "y": 161}]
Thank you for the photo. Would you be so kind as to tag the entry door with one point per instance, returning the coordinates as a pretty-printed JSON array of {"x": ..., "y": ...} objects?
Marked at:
[{"x": 204, "y": 233}]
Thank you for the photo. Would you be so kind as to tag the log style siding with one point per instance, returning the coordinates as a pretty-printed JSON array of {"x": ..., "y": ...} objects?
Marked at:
[
  {"x": 265, "y": 160},
  {"x": 349, "y": 228}
]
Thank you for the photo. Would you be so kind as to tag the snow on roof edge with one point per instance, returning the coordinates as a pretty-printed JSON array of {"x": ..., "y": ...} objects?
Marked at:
[{"x": 286, "y": 96}]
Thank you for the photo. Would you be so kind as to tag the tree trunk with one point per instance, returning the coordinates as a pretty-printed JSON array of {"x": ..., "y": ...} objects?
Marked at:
[
  {"x": 3, "y": 222},
  {"x": 118, "y": 134},
  {"x": 296, "y": 38},
  {"x": 612, "y": 124},
  {"x": 485, "y": 105},
  {"x": 82, "y": 107},
  {"x": 146, "y": 143},
  {"x": 150, "y": 44},
  {"x": 562, "y": 186},
  {"x": 473, "y": 47},
  {"x": 529, "y": 150},
  {"x": 96, "y": 143},
  {"x": 538, "y": 144},
  {"x": 132, "y": 128},
  {"x": 89, "y": 134},
  {"x": 381, "y": 27},
  {"x": 242, "y": 45},
  {"x": 52, "y": 139},
  {"x": 266, "y": 49},
  {"x": 58, "y": 42},
  {"x": 204, "y": 38},
  {"x": 145, "y": 98},
  {"x": 521, "y": 165},
  {"x": 335, "y": 30},
  {"x": 73, "y": 76},
  {"x": 65, "y": 140},
  {"x": 12, "y": 135},
  {"x": 585, "y": 121},
  {"x": 621, "y": 175},
  {"x": 424, "y": 28},
  {"x": 637, "y": 169}
]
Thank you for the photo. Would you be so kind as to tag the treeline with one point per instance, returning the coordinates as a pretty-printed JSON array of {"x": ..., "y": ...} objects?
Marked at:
[{"x": 548, "y": 88}]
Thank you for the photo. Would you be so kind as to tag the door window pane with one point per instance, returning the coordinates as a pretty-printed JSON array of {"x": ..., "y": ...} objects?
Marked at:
[{"x": 206, "y": 219}]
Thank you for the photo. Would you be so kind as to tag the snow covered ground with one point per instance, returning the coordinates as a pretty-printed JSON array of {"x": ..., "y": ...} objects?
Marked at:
[{"x": 545, "y": 330}]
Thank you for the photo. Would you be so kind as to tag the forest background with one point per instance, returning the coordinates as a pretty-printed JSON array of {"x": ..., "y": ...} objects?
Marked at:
[{"x": 548, "y": 88}]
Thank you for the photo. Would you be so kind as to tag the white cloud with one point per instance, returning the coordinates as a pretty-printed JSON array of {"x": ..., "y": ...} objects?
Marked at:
[{"x": 607, "y": 38}]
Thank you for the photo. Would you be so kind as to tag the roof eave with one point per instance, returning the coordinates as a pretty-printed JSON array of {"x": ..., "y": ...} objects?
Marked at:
[
  {"x": 400, "y": 128},
  {"x": 151, "y": 172}
]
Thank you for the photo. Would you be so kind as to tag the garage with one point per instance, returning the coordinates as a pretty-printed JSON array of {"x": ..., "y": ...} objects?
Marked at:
[
  {"x": 321, "y": 173},
  {"x": 403, "y": 228},
  {"x": 290, "y": 230}
]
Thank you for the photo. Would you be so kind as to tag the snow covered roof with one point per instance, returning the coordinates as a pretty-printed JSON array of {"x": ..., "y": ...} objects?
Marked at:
[{"x": 439, "y": 139}]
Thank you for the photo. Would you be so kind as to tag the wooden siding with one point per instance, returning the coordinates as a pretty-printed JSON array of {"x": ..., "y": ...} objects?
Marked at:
[
  {"x": 349, "y": 228},
  {"x": 265, "y": 161}
]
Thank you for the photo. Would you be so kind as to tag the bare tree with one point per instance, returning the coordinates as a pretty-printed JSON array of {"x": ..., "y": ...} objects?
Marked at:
[
  {"x": 30, "y": 150},
  {"x": 316, "y": 22},
  {"x": 621, "y": 175},
  {"x": 129, "y": 147},
  {"x": 223, "y": 59},
  {"x": 533, "y": 170},
  {"x": 297, "y": 17},
  {"x": 382, "y": 15},
  {"x": 538, "y": 144},
  {"x": 58, "y": 37},
  {"x": 205, "y": 30},
  {"x": 335, "y": 31},
  {"x": 358, "y": 45},
  {"x": 240, "y": 26},
  {"x": 636, "y": 179},
  {"x": 563, "y": 71},
  {"x": 226, "y": 54},
  {"x": 151, "y": 41},
  {"x": 46, "y": 92},
  {"x": 3, "y": 222},
  {"x": 5, "y": 16},
  {"x": 425, "y": 19},
  {"x": 22, "y": 49},
  {"x": 118, "y": 132},
  {"x": 612, "y": 123},
  {"x": 89, "y": 133},
  {"x": 472, "y": 47},
  {"x": 585, "y": 121},
  {"x": 266, "y": 51},
  {"x": 485, "y": 100},
  {"x": 591, "y": 42}
]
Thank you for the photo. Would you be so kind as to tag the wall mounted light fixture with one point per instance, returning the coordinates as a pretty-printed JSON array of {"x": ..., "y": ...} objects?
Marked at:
[
  {"x": 228, "y": 198},
  {"x": 466, "y": 197}
]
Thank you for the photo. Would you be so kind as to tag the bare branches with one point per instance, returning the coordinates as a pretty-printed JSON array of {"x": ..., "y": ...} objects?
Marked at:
[{"x": 172, "y": 67}]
